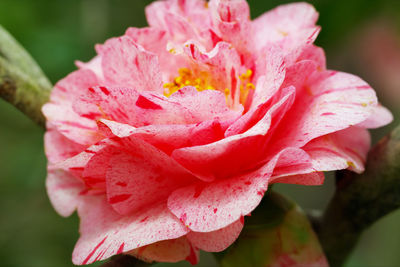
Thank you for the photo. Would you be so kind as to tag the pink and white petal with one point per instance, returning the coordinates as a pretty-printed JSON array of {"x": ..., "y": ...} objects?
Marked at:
[
  {"x": 235, "y": 153},
  {"x": 195, "y": 10},
  {"x": 204, "y": 105},
  {"x": 296, "y": 168},
  {"x": 296, "y": 162},
  {"x": 66, "y": 90},
  {"x": 93, "y": 65},
  {"x": 141, "y": 175},
  {"x": 173, "y": 250},
  {"x": 225, "y": 65},
  {"x": 251, "y": 117},
  {"x": 63, "y": 190},
  {"x": 76, "y": 164},
  {"x": 58, "y": 147},
  {"x": 380, "y": 116},
  {"x": 330, "y": 102},
  {"x": 167, "y": 138},
  {"x": 156, "y": 40},
  {"x": 129, "y": 106},
  {"x": 232, "y": 198},
  {"x": 74, "y": 127},
  {"x": 313, "y": 178},
  {"x": 340, "y": 150},
  {"x": 126, "y": 64},
  {"x": 316, "y": 54},
  {"x": 298, "y": 73},
  {"x": 231, "y": 20},
  {"x": 297, "y": 43},
  {"x": 105, "y": 233},
  {"x": 186, "y": 106},
  {"x": 271, "y": 71},
  {"x": 282, "y": 22},
  {"x": 152, "y": 39},
  {"x": 216, "y": 241}
]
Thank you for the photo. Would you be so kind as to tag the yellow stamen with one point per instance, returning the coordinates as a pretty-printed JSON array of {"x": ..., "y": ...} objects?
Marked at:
[
  {"x": 186, "y": 78},
  {"x": 245, "y": 86}
]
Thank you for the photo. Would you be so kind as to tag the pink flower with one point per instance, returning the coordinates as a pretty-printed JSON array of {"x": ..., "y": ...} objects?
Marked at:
[{"x": 172, "y": 133}]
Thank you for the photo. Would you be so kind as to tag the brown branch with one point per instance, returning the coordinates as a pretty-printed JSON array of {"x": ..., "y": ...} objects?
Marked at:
[
  {"x": 22, "y": 83},
  {"x": 361, "y": 200}
]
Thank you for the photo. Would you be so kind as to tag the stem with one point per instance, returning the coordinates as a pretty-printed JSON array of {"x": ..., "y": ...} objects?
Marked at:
[
  {"x": 361, "y": 200},
  {"x": 22, "y": 82}
]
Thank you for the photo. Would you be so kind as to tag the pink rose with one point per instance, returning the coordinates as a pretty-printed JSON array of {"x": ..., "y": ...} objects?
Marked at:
[{"x": 172, "y": 133}]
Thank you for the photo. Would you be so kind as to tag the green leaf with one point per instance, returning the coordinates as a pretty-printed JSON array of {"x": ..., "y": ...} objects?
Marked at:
[{"x": 277, "y": 234}]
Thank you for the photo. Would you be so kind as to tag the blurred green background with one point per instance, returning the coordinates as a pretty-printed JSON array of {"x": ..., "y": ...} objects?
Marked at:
[{"x": 359, "y": 36}]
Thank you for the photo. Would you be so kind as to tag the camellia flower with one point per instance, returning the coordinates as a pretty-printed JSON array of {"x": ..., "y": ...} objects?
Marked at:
[{"x": 172, "y": 133}]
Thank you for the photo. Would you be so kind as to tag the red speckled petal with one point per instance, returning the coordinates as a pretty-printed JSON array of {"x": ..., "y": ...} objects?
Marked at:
[
  {"x": 141, "y": 175},
  {"x": 343, "y": 149},
  {"x": 173, "y": 250},
  {"x": 286, "y": 24},
  {"x": 63, "y": 190},
  {"x": 125, "y": 64},
  {"x": 329, "y": 102},
  {"x": 58, "y": 147},
  {"x": 236, "y": 153},
  {"x": 380, "y": 116},
  {"x": 235, "y": 197},
  {"x": 105, "y": 233},
  {"x": 187, "y": 106},
  {"x": 218, "y": 240}
]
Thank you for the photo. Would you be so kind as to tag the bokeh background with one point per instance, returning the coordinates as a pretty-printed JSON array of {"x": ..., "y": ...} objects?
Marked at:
[{"x": 359, "y": 36}]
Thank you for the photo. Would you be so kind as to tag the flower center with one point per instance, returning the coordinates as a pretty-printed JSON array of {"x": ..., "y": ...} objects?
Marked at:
[
  {"x": 186, "y": 78},
  {"x": 245, "y": 86},
  {"x": 203, "y": 81}
]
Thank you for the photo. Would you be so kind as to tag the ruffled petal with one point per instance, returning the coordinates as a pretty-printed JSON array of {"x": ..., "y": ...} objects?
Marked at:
[
  {"x": 187, "y": 106},
  {"x": 105, "y": 233},
  {"x": 329, "y": 102},
  {"x": 216, "y": 241},
  {"x": 173, "y": 250},
  {"x": 58, "y": 147},
  {"x": 231, "y": 19},
  {"x": 140, "y": 175},
  {"x": 283, "y": 22},
  {"x": 61, "y": 114},
  {"x": 232, "y": 198},
  {"x": 63, "y": 190},
  {"x": 236, "y": 153},
  {"x": 380, "y": 116},
  {"x": 125, "y": 64},
  {"x": 340, "y": 150}
]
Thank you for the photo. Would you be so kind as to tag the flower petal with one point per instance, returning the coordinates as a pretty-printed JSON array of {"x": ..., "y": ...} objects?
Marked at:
[
  {"x": 216, "y": 241},
  {"x": 340, "y": 150},
  {"x": 329, "y": 102},
  {"x": 187, "y": 106},
  {"x": 141, "y": 175},
  {"x": 125, "y": 64},
  {"x": 105, "y": 233},
  {"x": 380, "y": 116},
  {"x": 63, "y": 190},
  {"x": 283, "y": 22},
  {"x": 61, "y": 114},
  {"x": 231, "y": 19},
  {"x": 194, "y": 205},
  {"x": 58, "y": 147},
  {"x": 236, "y": 153},
  {"x": 173, "y": 250}
]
